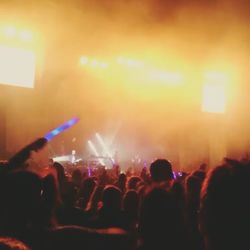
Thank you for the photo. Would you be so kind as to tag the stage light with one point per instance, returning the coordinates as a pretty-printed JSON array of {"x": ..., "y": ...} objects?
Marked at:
[
  {"x": 62, "y": 158},
  {"x": 163, "y": 76},
  {"x": 129, "y": 62},
  {"x": 84, "y": 60},
  {"x": 94, "y": 63},
  {"x": 9, "y": 31},
  {"x": 134, "y": 63},
  {"x": 213, "y": 98},
  {"x": 17, "y": 66},
  {"x": 26, "y": 36},
  {"x": 215, "y": 77},
  {"x": 105, "y": 149},
  {"x": 93, "y": 148},
  {"x": 120, "y": 60},
  {"x": 104, "y": 65},
  {"x": 214, "y": 93}
]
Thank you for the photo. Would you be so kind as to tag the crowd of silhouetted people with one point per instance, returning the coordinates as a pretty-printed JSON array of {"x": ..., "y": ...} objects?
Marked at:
[{"x": 153, "y": 209}]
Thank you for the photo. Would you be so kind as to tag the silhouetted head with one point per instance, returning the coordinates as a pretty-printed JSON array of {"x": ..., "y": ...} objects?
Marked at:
[
  {"x": 225, "y": 206},
  {"x": 122, "y": 178},
  {"x": 131, "y": 203},
  {"x": 132, "y": 183},
  {"x": 50, "y": 199},
  {"x": 77, "y": 177},
  {"x": 111, "y": 198},
  {"x": 161, "y": 170},
  {"x": 21, "y": 200},
  {"x": 193, "y": 185},
  {"x": 160, "y": 222},
  {"x": 203, "y": 167},
  {"x": 88, "y": 186},
  {"x": 200, "y": 174},
  {"x": 69, "y": 194}
]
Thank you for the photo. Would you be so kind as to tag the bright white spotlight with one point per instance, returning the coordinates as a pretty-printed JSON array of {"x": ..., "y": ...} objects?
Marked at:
[
  {"x": 214, "y": 93},
  {"x": 62, "y": 158},
  {"x": 214, "y": 98},
  {"x": 17, "y": 66},
  {"x": 105, "y": 149},
  {"x": 93, "y": 148},
  {"x": 9, "y": 31},
  {"x": 26, "y": 36},
  {"x": 84, "y": 60}
]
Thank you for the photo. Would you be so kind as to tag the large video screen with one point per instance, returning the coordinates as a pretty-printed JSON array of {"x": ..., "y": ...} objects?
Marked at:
[{"x": 17, "y": 66}]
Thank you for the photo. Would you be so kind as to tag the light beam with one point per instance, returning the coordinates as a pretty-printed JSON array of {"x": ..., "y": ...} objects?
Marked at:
[{"x": 93, "y": 148}]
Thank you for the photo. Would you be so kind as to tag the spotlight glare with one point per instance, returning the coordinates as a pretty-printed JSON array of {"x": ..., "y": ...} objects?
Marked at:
[
  {"x": 120, "y": 60},
  {"x": 105, "y": 149},
  {"x": 94, "y": 63},
  {"x": 84, "y": 60},
  {"x": 93, "y": 148},
  {"x": 9, "y": 31},
  {"x": 214, "y": 93},
  {"x": 103, "y": 65},
  {"x": 170, "y": 77},
  {"x": 214, "y": 98},
  {"x": 26, "y": 36},
  {"x": 17, "y": 66}
]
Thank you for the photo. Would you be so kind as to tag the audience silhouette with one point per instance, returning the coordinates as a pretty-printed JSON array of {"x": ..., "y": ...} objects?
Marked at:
[{"x": 111, "y": 210}]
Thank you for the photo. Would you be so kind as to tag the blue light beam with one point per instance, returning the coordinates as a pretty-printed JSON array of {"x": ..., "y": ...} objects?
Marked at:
[{"x": 61, "y": 128}]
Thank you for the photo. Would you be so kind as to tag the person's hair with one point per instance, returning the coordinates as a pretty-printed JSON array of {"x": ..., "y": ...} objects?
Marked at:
[
  {"x": 111, "y": 197},
  {"x": 161, "y": 170},
  {"x": 132, "y": 182},
  {"x": 50, "y": 200},
  {"x": 21, "y": 200},
  {"x": 77, "y": 176},
  {"x": 161, "y": 225},
  {"x": 69, "y": 194},
  {"x": 193, "y": 186},
  {"x": 200, "y": 174},
  {"x": 131, "y": 204},
  {"x": 122, "y": 177},
  {"x": 225, "y": 206},
  {"x": 12, "y": 244}
]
